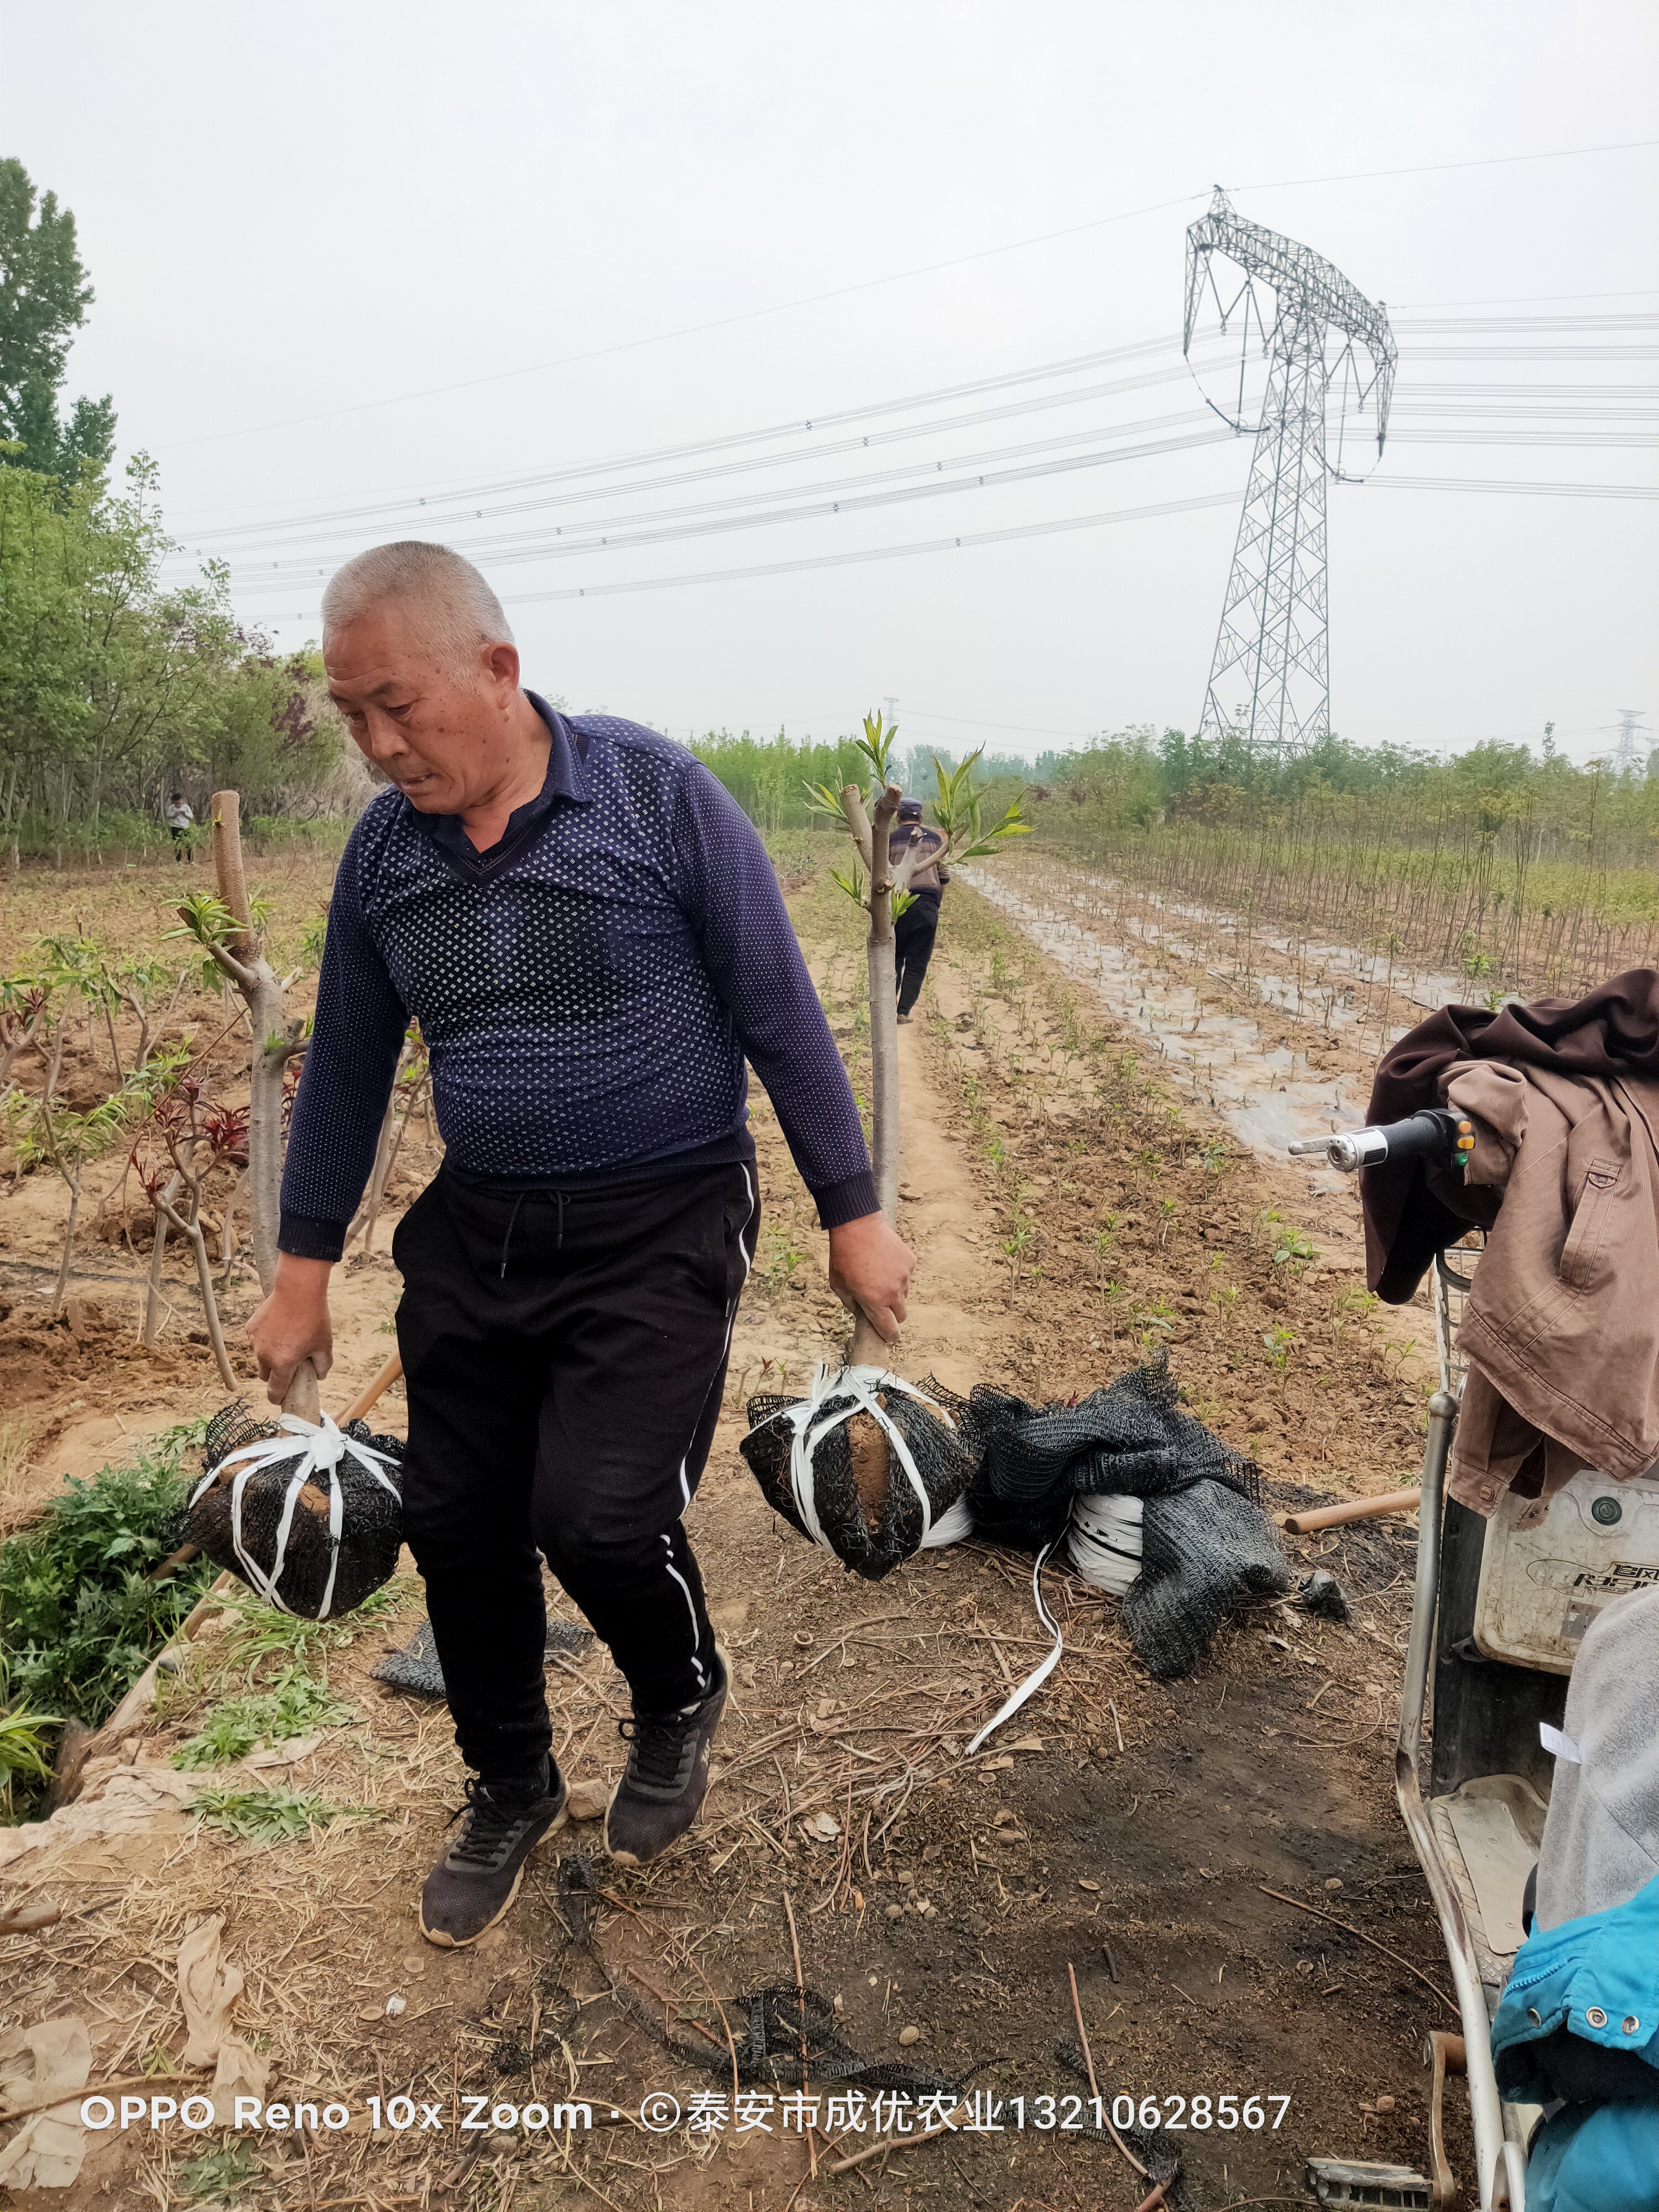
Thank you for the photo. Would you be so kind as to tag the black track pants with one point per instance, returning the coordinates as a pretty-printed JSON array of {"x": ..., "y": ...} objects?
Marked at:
[
  {"x": 565, "y": 1357},
  {"x": 913, "y": 948}
]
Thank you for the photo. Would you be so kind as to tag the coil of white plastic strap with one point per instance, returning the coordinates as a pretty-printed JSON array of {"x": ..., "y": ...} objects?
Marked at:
[
  {"x": 812, "y": 1424},
  {"x": 321, "y": 1448},
  {"x": 1104, "y": 1541}
]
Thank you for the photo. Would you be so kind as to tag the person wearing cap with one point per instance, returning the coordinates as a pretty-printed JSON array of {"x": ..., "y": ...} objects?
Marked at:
[{"x": 914, "y": 929}]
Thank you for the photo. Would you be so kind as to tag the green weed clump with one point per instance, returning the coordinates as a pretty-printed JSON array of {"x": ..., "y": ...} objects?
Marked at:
[
  {"x": 271, "y": 1816},
  {"x": 79, "y": 1622},
  {"x": 220, "y": 2174},
  {"x": 296, "y": 1705}
]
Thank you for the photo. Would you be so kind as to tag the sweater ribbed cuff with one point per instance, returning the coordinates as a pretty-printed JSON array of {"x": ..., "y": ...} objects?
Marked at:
[
  {"x": 306, "y": 1239},
  {"x": 840, "y": 1202}
]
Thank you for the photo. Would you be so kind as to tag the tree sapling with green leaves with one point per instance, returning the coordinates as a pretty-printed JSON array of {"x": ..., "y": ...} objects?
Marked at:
[{"x": 957, "y": 811}]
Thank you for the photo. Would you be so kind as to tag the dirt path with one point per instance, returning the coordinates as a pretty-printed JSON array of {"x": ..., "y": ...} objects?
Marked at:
[{"x": 1069, "y": 1214}]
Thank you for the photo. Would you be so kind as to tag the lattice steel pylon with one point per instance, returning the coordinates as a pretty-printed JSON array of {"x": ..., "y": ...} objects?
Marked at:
[{"x": 1273, "y": 633}]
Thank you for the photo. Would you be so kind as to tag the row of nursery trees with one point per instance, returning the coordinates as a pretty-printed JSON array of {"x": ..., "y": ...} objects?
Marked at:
[{"x": 1517, "y": 869}]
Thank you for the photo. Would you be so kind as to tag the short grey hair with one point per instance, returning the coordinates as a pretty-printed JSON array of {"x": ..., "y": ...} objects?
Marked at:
[{"x": 458, "y": 610}]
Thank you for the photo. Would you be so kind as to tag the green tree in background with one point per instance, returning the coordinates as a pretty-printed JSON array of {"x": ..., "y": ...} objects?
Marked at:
[
  {"x": 44, "y": 293},
  {"x": 116, "y": 688}
]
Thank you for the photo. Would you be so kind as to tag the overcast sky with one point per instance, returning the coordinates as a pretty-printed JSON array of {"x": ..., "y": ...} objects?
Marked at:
[{"x": 362, "y": 251}]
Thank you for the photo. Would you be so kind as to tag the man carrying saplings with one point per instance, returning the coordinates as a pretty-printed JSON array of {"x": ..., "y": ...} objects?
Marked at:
[{"x": 591, "y": 936}]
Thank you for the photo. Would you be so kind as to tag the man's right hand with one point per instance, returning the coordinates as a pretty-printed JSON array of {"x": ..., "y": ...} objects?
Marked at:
[{"x": 293, "y": 1324}]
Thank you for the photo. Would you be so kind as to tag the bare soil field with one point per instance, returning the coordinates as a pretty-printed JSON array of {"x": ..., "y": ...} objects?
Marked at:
[{"x": 1077, "y": 1203}]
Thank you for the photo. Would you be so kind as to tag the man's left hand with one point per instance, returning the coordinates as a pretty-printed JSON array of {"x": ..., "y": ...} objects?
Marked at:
[{"x": 870, "y": 1269}]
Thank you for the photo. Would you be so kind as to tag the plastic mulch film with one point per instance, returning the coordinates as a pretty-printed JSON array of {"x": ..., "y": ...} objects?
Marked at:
[
  {"x": 308, "y": 1515},
  {"x": 868, "y": 1466}
]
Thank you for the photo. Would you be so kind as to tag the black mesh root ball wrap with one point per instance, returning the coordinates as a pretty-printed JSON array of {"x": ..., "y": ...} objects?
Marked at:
[
  {"x": 310, "y": 1517},
  {"x": 801, "y": 1451},
  {"x": 1131, "y": 1439},
  {"x": 1208, "y": 1547}
]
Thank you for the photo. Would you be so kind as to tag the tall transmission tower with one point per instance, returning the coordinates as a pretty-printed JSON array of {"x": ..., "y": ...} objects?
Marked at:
[
  {"x": 1630, "y": 730},
  {"x": 1273, "y": 633}
]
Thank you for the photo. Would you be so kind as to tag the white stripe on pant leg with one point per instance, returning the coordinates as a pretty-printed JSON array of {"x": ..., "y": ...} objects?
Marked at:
[
  {"x": 685, "y": 1488},
  {"x": 691, "y": 1606},
  {"x": 748, "y": 1257},
  {"x": 748, "y": 1263}
]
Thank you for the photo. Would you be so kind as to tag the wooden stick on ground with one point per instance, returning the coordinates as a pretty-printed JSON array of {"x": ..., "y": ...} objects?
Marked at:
[
  {"x": 78, "y": 2097},
  {"x": 894, "y": 2142},
  {"x": 1094, "y": 2087},
  {"x": 1352, "y": 1508}
]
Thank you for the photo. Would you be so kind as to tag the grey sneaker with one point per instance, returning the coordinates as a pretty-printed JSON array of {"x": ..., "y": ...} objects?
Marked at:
[
  {"x": 666, "y": 1779},
  {"x": 478, "y": 1876}
]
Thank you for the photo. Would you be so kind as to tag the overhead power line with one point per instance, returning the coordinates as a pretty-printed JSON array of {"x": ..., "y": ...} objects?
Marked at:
[
  {"x": 872, "y": 440},
  {"x": 1030, "y": 529},
  {"x": 445, "y": 510},
  {"x": 584, "y": 527},
  {"x": 897, "y": 276},
  {"x": 847, "y": 495},
  {"x": 573, "y": 471},
  {"x": 1381, "y": 483},
  {"x": 625, "y": 539}
]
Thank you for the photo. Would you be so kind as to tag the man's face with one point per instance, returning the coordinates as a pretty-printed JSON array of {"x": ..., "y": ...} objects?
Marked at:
[{"x": 440, "y": 733}]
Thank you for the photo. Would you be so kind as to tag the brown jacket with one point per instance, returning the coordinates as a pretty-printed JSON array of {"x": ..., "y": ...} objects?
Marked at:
[
  {"x": 1561, "y": 1328},
  {"x": 1411, "y": 1213}
]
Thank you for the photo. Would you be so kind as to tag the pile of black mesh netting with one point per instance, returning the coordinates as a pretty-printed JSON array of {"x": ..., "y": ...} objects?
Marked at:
[
  {"x": 1207, "y": 1547},
  {"x": 310, "y": 1517},
  {"x": 830, "y": 1465}
]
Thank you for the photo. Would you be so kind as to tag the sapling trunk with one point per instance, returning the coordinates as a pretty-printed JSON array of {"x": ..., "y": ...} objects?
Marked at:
[
  {"x": 869, "y": 1347},
  {"x": 73, "y": 1179},
  {"x": 377, "y": 1196},
  {"x": 157, "y": 1253},
  {"x": 271, "y": 1046},
  {"x": 364, "y": 1223},
  {"x": 957, "y": 814},
  {"x": 227, "y": 1239},
  {"x": 192, "y": 1230},
  {"x": 275, "y": 1043}
]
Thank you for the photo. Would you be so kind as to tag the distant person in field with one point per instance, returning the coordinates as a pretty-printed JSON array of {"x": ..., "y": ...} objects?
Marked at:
[
  {"x": 589, "y": 932},
  {"x": 182, "y": 822},
  {"x": 913, "y": 931}
]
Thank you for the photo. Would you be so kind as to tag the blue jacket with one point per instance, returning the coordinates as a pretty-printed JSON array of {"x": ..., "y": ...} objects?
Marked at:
[{"x": 1598, "y": 1978}]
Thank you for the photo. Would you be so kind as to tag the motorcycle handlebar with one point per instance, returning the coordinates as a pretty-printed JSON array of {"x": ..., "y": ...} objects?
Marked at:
[{"x": 1443, "y": 1138}]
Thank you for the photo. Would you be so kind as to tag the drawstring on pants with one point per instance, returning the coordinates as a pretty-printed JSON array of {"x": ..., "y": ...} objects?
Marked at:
[{"x": 513, "y": 1223}]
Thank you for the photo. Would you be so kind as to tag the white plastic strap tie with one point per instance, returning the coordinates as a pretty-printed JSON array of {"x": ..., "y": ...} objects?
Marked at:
[
  {"x": 321, "y": 1448},
  {"x": 810, "y": 1425},
  {"x": 1033, "y": 1682}
]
